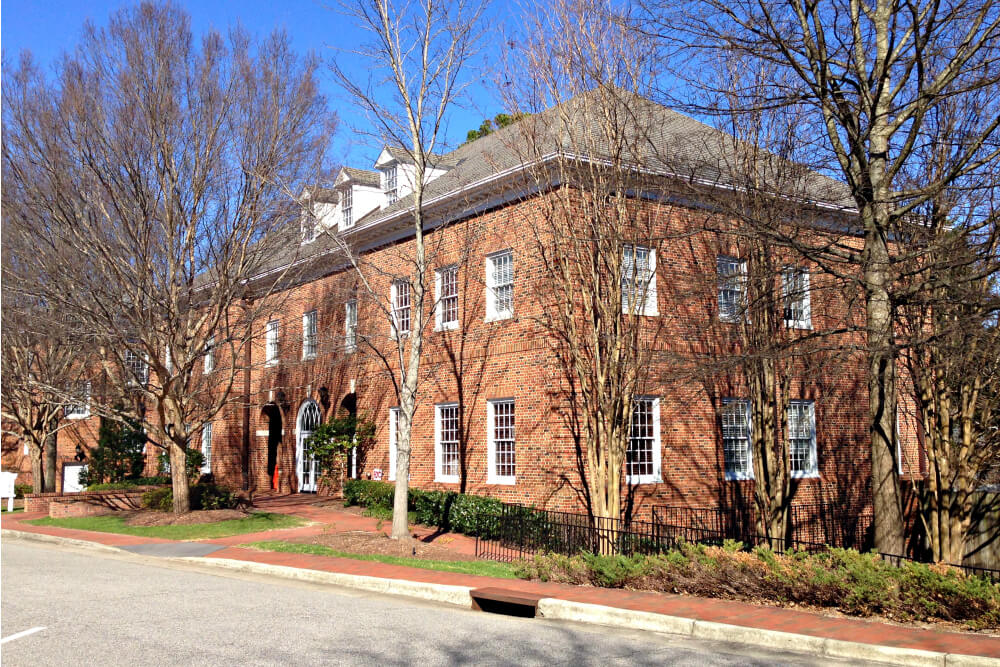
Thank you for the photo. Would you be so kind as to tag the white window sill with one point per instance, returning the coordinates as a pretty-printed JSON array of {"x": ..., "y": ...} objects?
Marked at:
[
  {"x": 504, "y": 481},
  {"x": 350, "y": 349},
  {"x": 798, "y": 325},
  {"x": 446, "y": 479},
  {"x": 739, "y": 476},
  {"x": 271, "y": 362},
  {"x": 79, "y": 416},
  {"x": 308, "y": 357},
  {"x": 643, "y": 479},
  {"x": 448, "y": 326},
  {"x": 499, "y": 318},
  {"x": 206, "y": 471},
  {"x": 804, "y": 475}
]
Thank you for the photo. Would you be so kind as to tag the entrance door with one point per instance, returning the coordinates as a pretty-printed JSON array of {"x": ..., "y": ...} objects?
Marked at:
[{"x": 305, "y": 467}]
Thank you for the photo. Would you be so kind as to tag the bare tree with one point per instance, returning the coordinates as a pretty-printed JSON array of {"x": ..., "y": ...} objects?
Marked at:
[
  {"x": 420, "y": 54},
  {"x": 153, "y": 178},
  {"x": 871, "y": 76},
  {"x": 948, "y": 329},
  {"x": 590, "y": 156},
  {"x": 42, "y": 377}
]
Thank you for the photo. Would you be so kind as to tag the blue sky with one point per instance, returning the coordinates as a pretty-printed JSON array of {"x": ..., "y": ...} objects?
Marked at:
[{"x": 48, "y": 27}]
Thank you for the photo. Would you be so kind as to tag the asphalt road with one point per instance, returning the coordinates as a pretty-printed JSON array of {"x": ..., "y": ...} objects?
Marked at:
[{"x": 102, "y": 609}]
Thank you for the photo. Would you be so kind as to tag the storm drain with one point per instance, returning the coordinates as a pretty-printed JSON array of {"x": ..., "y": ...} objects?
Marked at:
[{"x": 495, "y": 600}]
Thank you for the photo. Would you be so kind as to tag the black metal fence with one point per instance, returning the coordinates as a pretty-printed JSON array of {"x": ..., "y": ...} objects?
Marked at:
[
  {"x": 515, "y": 531},
  {"x": 810, "y": 526}
]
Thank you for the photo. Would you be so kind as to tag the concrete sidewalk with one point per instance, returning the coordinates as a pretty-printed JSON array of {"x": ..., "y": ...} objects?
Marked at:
[{"x": 761, "y": 625}]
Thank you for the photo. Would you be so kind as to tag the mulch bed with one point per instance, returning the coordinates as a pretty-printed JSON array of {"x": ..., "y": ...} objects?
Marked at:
[
  {"x": 150, "y": 518},
  {"x": 360, "y": 542}
]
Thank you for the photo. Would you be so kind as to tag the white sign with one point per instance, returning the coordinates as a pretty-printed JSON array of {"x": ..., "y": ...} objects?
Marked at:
[{"x": 377, "y": 474}]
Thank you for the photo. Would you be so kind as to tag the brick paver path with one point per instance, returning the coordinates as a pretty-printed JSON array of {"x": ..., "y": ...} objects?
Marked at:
[{"x": 721, "y": 611}]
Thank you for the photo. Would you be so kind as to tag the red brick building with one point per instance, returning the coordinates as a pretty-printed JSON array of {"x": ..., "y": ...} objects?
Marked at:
[{"x": 492, "y": 415}]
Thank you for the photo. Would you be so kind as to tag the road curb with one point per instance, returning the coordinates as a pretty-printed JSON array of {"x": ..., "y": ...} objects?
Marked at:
[
  {"x": 819, "y": 646},
  {"x": 54, "y": 539},
  {"x": 444, "y": 593},
  {"x": 567, "y": 610}
]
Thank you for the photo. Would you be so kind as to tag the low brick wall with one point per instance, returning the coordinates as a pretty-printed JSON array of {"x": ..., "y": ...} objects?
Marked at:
[{"x": 85, "y": 503}]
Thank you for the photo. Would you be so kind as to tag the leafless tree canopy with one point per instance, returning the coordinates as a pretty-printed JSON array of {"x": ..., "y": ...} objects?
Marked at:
[{"x": 153, "y": 174}]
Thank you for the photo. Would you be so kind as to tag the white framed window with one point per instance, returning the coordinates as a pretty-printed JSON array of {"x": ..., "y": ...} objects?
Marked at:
[
  {"x": 642, "y": 458},
  {"x": 168, "y": 360},
  {"x": 351, "y": 325},
  {"x": 271, "y": 350},
  {"x": 393, "y": 440},
  {"x": 310, "y": 335},
  {"x": 638, "y": 280},
  {"x": 401, "y": 307},
  {"x": 209, "y": 355},
  {"x": 446, "y": 293},
  {"x": 802, "y": 439},
  {"x": 501, "y": 443},
  {"x": 500, "y": 286},
  {"x": 389, "y": 184},
  {"x": 732, "y": 275},
  {"x": 137, "y": 368},
  {"x": 80, "y": 410},
  {"x": 206, "y": 448},
  {"x": 795, "y": 291},
  {"x": 446, "y": 443},
  {"x": 347, "y": 206},
  {"x": 735, "y": 418}
]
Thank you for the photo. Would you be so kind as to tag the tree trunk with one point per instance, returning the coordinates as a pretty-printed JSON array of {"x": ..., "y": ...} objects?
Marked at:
[
  {"x": 179, "y": 478},
  {"x": 886, "y": 499},
  {"x": 51, "y": 456},
  {"x": 37, "y": 474}
]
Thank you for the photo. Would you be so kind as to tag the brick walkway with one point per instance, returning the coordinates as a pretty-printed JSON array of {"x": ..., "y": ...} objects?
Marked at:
[{"x": 721, "y": 611}]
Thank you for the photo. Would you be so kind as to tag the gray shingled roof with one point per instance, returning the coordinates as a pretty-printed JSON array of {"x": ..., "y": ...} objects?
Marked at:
[
  {"x": 362, "y": 176},
  {"x": 656, "y": 139}
]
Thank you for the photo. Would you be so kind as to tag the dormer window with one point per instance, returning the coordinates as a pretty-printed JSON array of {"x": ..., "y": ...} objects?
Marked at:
[
  {"x": 307, "y": 227},
  {"x": 347, "y": 207},
  {"x": 389, "y": 185}
]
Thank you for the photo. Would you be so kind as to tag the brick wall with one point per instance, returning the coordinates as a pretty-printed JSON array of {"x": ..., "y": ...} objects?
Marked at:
[
  {"x": 86, "y": 503},
  {"x": 514, "y": 359}
]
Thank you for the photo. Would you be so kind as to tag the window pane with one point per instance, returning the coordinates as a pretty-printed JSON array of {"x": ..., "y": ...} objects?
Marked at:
[
  {"x": 642, "y": 440},
  {"x": 448, "y": 284},
  {"x": 448, "y": 416},
  {"x": 801, "y": 428},
  {"x": 503, "y": 438},
  {"x": 402, "y": 306},
  {"x": 732, "y": 273},
  {"x": 309, "y": 334},
  {"x": 501, "y": 284},
  {"x": 736, "y": 438}
]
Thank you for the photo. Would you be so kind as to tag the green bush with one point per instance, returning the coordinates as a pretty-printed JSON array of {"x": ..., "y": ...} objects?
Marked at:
[
  {"x": 21, "y": 489},
  {"x": 118, "y": 455},
  {"x": 130, "y": 483},
  {"x": 860, "y": 584},
  {"x": 192, "y": 464},
  {"x": 447, "y": 510},
  {"x": 367, "y": 493},
  {"x": 203, "y": 497}
]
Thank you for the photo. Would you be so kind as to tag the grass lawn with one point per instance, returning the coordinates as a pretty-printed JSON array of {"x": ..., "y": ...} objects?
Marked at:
[
  {"x": 483, "y": 568},
  {"x": 110, "y": 523}
]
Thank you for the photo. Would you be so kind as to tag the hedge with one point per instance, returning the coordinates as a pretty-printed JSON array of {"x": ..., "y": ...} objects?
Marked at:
[
  {"x": 202, "y": 497},
  {"x": 450, "y": 511}
]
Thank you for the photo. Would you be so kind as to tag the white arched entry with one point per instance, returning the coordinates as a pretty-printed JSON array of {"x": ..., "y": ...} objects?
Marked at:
[{"x": 305, "y": 468}]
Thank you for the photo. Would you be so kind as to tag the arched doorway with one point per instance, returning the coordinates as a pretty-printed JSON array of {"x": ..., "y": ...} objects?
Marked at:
[
  {"x": 274, "y": 429},
  {"x": 305, "y": 468}
]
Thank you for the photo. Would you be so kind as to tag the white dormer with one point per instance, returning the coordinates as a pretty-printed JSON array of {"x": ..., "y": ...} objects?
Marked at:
[
  {"x": 397, "y": 173},
  {"x": 319, "y": 207},
  {"x": 358, "y": 193}
]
